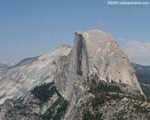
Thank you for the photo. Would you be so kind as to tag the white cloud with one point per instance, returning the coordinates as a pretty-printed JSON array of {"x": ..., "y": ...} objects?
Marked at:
[
  {"x": 138, "y": 51},
  {"x": 101, "y": 23},
  {"x": 121, "y": 39}
]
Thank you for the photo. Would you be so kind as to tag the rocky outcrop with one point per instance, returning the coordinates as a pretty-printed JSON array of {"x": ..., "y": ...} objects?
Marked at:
[
  {"x": 107, "y": 60},
  {"x": 110, "y": 103},
  {"x": 94, "y": 58},
  {"x": 43, "y": 103},
  {"x": 94, "y": 53},
  {"x": 24, "y": 76}
]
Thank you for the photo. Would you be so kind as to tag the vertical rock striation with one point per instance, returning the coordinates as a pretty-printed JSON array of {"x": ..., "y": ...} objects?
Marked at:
[{"x": 94, "y": 53}]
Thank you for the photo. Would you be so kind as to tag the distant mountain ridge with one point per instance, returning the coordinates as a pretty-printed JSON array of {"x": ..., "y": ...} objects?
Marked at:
[
  {"x": 18, "y": 80},
  {"x": 141, "y": 68},
  {"x": 5, "y": 66},
  {"x": 143, "y": 76},
  {"x": 142, "y": 73},
  {"x": 93, "y": 80}
]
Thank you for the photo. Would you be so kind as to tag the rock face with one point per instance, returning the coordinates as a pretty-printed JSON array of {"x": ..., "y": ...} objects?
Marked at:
[
  {"x": 43, "y": 103},
  {"x": 24, "y": 76},
  {"x": 4, "y": 67},
  {"x": 95, "y": 53},
  {"x": 76, "y": 74}
]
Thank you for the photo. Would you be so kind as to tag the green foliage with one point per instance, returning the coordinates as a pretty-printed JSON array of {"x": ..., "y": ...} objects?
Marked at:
[
  {"x": 58, "y": 101},
  {"x": 99, "y": 101},
  {"x": 20, "y": 107},
  {"x": 120, "y": 118},
  {"x": 57, "y": 110},
  {"x": 23, "y": 113},
  {"x": 140, "y": 109},
  {"x": 106, "y": 93},
  {"x": 104, "y": 87},
  {"x": 57, "y": 117},
  {"x": 88, "y": 116},
  {"x": 48, "y": 115},
  {"x": 104, "y": 97},
  {"x": 44, "y": 92},
  {"x": 63, "y": 107},
  {"x": 94, "y": 82}
]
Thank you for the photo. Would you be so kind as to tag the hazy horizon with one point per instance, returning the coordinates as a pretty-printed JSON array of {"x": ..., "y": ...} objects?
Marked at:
[{"x": 32, "y": 28}]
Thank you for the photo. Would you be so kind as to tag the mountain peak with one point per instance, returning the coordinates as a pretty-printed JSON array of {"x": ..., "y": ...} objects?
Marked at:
[
  {"x": 96, "y": 53},
  {"x": 92, "y": 73},
  {"x": 28, "y": 73},
  {"x": 96, "y": 35}
]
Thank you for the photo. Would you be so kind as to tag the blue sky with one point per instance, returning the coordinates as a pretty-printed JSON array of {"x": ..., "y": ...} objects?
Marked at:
[{"x": 30, "y": 28}]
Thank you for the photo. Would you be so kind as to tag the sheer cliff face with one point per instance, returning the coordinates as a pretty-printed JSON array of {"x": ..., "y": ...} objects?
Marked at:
[
  {"x": 20, "y": 79},
  {"x": 107, "y": 60},
  {"x": 95, "y": 55},
  {"x": 95, "y": 52}
]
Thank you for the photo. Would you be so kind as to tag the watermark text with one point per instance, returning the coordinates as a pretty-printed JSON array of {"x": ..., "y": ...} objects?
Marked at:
[{"x": 127, "y": 3}]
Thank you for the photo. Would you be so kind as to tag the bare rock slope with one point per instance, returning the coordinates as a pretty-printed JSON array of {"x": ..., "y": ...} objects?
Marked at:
[
  {"x": 94, "y": 53},
  {"x": 24, "y": 76},
  {"x": 4, "y": 67},
  {"x": 74, "y": 76}
]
